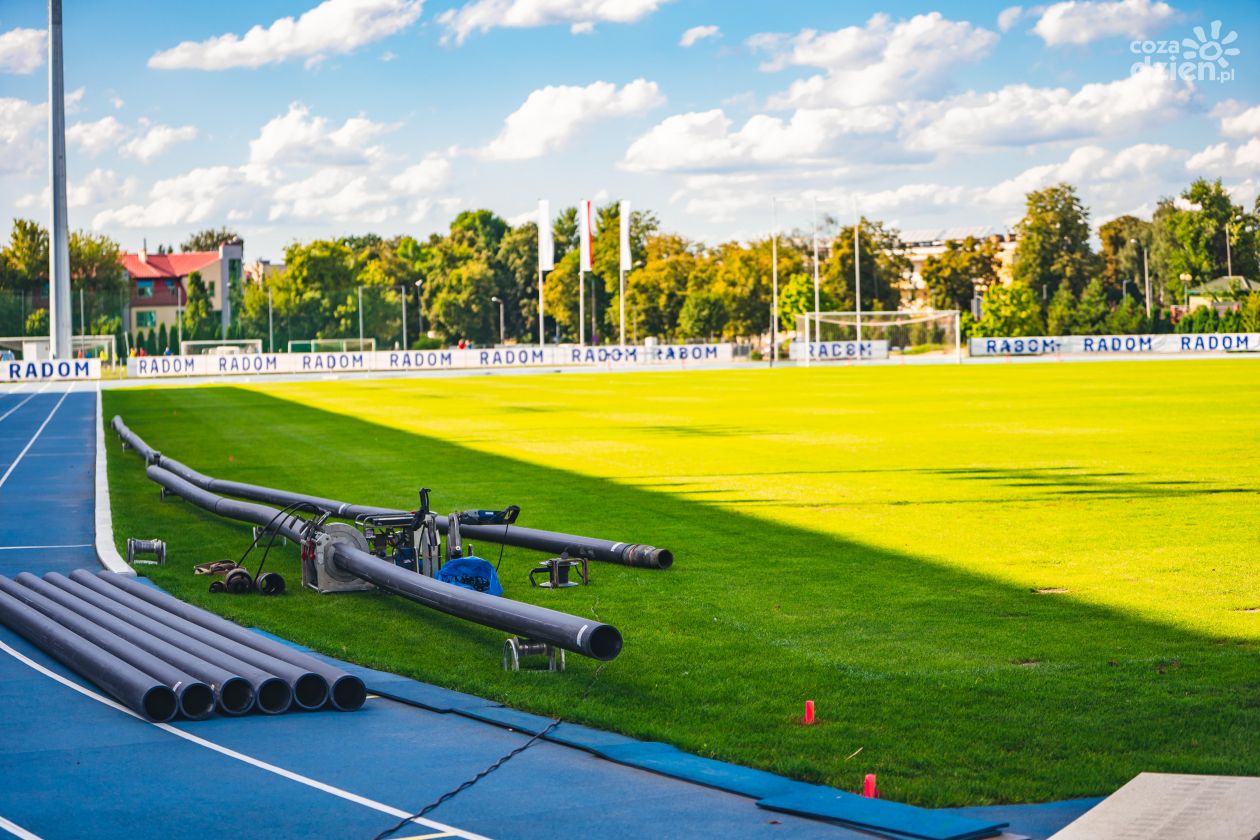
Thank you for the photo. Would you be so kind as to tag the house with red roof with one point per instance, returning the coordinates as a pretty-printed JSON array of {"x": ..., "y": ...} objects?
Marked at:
[{"x": 159, "y": 283}]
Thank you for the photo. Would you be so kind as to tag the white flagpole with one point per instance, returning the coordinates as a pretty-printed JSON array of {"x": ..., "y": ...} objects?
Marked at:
[
  {"x": 774, "y": 273},
  {"x": 857, "y": 274},
  {"x": 584, "y": 262},
  {"x": 624, "y": 218},
  {"x": 816, "y": 336}
]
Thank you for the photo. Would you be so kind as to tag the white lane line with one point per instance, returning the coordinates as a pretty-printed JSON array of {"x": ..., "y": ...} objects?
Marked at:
[
  {"x": 24, "y": 547},
  {"x": 25, "y": 401},
  {"x": 31, "y": 442},
  {"x": 17, "y": 830},
  {"x": 397, "y": 813}
]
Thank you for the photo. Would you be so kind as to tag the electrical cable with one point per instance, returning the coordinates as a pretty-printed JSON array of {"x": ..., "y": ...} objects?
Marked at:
[{"x": 504, "y": 759}]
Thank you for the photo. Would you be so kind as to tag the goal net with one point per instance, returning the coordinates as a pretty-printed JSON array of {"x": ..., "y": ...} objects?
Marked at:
[
  {"x": 829, "y": 336},
  {"x": 230, "y": 347},
  {"x": 333, "y": 345}
]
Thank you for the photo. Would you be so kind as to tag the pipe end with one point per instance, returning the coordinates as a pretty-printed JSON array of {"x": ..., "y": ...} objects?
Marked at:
[
  {"x": 274, "y": 696},
  {"x": 159, "y": 704},
  {"x": 348, "y": 693},
  {"x": 236, "y": 696},
  {"x": 310, "y": 691},
  {"x": 196, "y": 701},
  {"x": 605, "y": 642}
]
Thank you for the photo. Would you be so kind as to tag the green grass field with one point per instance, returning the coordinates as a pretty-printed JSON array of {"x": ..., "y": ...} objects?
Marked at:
[{"x": 998, "y": 583}]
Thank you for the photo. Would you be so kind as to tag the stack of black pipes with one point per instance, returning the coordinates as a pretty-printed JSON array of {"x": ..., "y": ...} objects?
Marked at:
[{"x": 159, "y": 656}]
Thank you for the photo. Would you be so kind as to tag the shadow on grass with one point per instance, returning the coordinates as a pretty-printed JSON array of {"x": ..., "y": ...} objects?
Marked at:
[{"x": 924, "y": 668}]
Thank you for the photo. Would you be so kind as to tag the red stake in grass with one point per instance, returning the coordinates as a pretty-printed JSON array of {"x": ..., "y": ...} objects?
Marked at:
[
  {"x": 868, "y": 787},
  {"x": 809, "y": 712}
]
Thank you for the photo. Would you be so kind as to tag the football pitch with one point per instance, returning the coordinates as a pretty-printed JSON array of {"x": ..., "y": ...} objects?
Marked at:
[{"x": 998, "y": 583}]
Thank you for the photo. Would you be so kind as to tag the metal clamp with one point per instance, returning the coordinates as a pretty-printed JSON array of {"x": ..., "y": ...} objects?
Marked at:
[
  {"x": 516, "y": 647},
  {"x": 155, "y": 547},
  {"x": 557, "y": 571}
]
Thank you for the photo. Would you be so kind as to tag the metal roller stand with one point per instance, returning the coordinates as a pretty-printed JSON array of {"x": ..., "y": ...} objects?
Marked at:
[
  {"x": 155, "y": 547},
  {"x": 516, "y": 647}
]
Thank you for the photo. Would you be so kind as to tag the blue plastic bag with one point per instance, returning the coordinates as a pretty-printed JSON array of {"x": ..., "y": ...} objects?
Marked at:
[{"x": 471, "y": 573}]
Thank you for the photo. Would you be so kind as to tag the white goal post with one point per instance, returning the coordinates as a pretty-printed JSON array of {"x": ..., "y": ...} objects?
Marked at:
[
  {"x": 833, "y": 336},
  {"x": 230, "y": 347}
]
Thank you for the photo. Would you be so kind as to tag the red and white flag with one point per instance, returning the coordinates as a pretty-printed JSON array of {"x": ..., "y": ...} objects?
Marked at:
[{"x": 584, "y": 232}]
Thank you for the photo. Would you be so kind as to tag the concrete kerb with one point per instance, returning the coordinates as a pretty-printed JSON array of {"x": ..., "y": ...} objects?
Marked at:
[{"x": 106, "y": 550}]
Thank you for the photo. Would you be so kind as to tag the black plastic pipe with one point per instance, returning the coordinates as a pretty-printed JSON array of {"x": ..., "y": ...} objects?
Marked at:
[
  {"x": 310, "y": 690},
  {"x": 347, "y": 691},
  {"x": 232, "y": 693},
  {"x": 129, "y": 685},
  {"x": 594, "y": 639},
  {"x": 272, "y": 695},
  {"x": 626, "y": 554},
  {"x": 195, "y": 698},
  {"x": 589, "y": 638}
]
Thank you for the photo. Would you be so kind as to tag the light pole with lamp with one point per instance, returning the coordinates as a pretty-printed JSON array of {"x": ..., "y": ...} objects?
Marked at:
[
  {"x": 502, "y": 334},
  {"x": 419, "y": 309},
  {"x": 402, "y": 293},
  {"x": 360, "y": 317},
  {"x": 1146, "y": 274}
]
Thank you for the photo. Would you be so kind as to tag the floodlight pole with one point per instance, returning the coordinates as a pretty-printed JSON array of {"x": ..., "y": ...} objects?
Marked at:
[
  {"x": 774, "y": 274},
  {"x": 360, "y": 317},
  {"x": 271, "y": 332},
  {"x": 82, "y": 323},
  {"x": 179, "y": 312},
  {"x": 1146, "y": 274},
  {"x": 581, "y": 305},
  {"x": 59, "y": 305},
  {"x": 857, "y": 275},
  {"x": 403, "y": 295},
  {"x": 502, "y": 333}
]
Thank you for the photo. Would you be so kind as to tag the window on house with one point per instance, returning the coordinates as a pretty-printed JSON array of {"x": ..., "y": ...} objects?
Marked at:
[
  {"x": 144, "y": 288},
  {"x": 146, "y": 318},
  {"x": 170, "y": 287}
]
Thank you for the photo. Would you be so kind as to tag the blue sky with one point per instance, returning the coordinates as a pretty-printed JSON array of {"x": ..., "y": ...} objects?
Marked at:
[{"x": 293, "y": 120}]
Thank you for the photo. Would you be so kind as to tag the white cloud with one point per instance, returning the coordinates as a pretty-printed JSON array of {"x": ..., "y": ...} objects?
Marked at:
[
  {"x": 22, "y": 50},
  {"x": 96, "y": 137},
  {"x": 550, "y": 116},
  {"x": 333, "y": 27},
  {"x": 117, "y": 102},
  {"x": 153, "y": 140},
  {"x": 581, "y": 15},
  {"x": 201, "y": 195},
  {"x": 698, "y": 33},
  {"x": 1023, "y": 115},
  {"x": 427, "y": 176},
  {"x": 704, "y": 140},
  {"x": 1008, "y": 17},
  {"x": 299, "y": 138},
  {"x": 97, "y": 187},
  {"x": 878, "y": 62},
  {"x": 1222, "y": 159},
  {"x": 21, "y": 149},
  {"x": 1237, "y": 120},
  {"x": 331, "y": 194},
  {"x": 1081, "y": 21}
]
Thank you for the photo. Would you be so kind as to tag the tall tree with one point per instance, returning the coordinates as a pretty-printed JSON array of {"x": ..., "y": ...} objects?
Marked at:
[
  {"x": 1053, "y": 246},
  {"x": 26, "y": 256},
  {"x": 564, "y": 231},
  {"x": 1013, "y": 310},
  {"x": 95, "y": 262},
  {"x": 518, "y": 256},
  {"x": 1191, "y": 238},
  {"x": 884, "y": 267},
  {"x": 197, "y": 314},
  {"x": 207, "y": 240},
  {"x": 1123, "y": 239},
  {"x": 656, "y": 292},
  {"x": 953, "y": 276}
]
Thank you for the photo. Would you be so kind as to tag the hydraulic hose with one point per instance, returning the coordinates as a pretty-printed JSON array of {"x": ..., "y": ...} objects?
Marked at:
[{"x": 592, "y": 548}]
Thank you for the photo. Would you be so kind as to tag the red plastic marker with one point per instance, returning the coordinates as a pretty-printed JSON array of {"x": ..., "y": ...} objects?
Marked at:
[
  {"x": 868, "y": 787},
  {"x": 809, "y": 712}
]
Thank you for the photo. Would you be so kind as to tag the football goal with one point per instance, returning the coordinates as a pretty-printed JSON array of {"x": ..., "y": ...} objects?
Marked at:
[
  {"x": 230, "y": 347},
  {"x": 831, "y": 336},
  {"x": 333, "y": 345}
]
